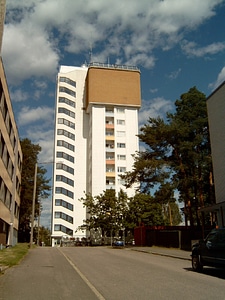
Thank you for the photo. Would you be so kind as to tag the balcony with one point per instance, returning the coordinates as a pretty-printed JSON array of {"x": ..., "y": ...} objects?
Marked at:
[
  {"x": 109, "y": 125},
  {"x": 110, "y": 147},
  {"x": 110, "y": 171},
  {"x": 110, "y": 161},
  {"x": 109, "y": 135},
  {"x": 110, "y": 183}
]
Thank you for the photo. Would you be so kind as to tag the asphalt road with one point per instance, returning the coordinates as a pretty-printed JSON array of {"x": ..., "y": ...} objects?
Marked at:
[{"x": 106, "y": 273}]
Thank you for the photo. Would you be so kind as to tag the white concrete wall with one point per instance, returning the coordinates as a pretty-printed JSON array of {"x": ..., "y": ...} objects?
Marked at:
[
  {"x": 80, "y": 143},
  {"x": 98, "y": 149},
  {"x": 131, "y": 140}
]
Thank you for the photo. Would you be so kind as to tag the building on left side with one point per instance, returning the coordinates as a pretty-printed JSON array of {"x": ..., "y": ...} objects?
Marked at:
[{"x": 10, "y": 167}]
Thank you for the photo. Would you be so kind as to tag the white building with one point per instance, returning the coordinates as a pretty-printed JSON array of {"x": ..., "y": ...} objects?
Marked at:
[{"x": 96, "y": 127}]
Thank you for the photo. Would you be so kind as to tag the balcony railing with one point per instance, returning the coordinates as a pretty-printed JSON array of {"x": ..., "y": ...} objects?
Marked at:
[{"x": 111, "y": 66}]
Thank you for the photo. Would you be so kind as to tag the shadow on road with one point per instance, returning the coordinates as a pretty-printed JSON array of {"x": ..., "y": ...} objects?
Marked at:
[{"x": 219, "y": 273}]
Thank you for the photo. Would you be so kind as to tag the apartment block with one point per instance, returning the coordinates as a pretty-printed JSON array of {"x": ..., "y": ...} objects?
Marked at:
[
  {"x": 10, "y": 167},
  {"x": 96, "y": 127}
]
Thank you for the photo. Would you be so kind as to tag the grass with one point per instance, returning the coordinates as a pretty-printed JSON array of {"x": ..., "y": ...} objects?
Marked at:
[{"x": 13, "y": 255}]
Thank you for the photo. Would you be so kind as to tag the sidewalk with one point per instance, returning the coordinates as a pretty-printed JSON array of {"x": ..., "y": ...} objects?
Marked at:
[{"x": 170, "y": 252}]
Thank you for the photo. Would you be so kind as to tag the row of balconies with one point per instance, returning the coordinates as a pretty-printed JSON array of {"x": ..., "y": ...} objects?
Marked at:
[{"x": 110, "y": 156}]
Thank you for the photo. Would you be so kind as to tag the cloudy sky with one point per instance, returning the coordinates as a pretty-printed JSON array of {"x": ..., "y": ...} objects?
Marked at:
[{"x": 177, "y": 44}]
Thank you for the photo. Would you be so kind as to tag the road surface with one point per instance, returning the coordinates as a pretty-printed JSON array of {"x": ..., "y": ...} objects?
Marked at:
[{"x": 106, "y": 273}]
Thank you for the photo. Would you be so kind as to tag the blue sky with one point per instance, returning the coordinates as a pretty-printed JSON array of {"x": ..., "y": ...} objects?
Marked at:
[{"x": 177, "y": 44}]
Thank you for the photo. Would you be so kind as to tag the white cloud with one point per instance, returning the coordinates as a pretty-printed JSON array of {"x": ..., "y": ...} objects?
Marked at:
[
  {"x": 34, "y": 54},
  {"x": 30, "y": 115},
  {"x": 153, "y": 90},
  {"x": 153, "y": 108},
  {"x": 219, "y": 80},
  {"x": 192, "y": 49},
  {"x": 18, "y": 95},
  {"x": 45, "y": 138},
  {"x": 173, "y": 75},
  {"x": 129, "y": 30}
]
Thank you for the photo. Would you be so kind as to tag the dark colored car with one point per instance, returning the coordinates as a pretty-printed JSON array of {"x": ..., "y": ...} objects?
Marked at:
[
  {"x": 209, "y": 252},
  {"x": 118, "y": 243}
]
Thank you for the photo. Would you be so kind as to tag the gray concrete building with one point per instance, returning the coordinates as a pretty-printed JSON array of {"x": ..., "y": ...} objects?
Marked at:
[{"x": 216, "y": 117}]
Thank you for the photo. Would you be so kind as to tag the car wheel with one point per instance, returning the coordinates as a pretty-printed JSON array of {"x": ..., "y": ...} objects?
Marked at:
[{"x": 196, "y": 263}]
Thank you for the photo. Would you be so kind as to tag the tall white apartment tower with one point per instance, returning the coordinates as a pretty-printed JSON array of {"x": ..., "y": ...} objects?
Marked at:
[{"x": 96, "y": 127}]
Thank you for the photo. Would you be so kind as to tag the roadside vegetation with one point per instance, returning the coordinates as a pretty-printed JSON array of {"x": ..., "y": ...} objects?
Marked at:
[{"x": 13, "y": 255}]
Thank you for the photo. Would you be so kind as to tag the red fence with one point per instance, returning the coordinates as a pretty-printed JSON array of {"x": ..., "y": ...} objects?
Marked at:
[{"x": 168, "y": 236}]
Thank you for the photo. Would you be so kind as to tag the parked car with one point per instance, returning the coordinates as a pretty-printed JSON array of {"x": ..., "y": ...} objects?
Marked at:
[
  {"x": 210, "y": 251},
  {"x": 118, "y": 243}
]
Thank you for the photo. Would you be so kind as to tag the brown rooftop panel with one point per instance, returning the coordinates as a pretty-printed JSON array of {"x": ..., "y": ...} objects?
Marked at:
[{"x": 113, "y": 86}]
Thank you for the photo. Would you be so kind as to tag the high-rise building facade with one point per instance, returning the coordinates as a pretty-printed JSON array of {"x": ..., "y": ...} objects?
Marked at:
[
  {"x": 96, "y": 127},
  {"x": 10, "y": 166}
]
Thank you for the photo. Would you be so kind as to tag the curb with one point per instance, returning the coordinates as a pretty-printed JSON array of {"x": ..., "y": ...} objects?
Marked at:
[
  {"x": 3, "y": 268},
  {"x": 162, "y": 254}
]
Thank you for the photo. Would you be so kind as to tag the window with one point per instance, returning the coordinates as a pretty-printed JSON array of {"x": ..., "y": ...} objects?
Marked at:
[
  {"x": 109, "y": 110},
  {"x": 67, "y": 80},
  {"x": 60, "y": 215},
  {"x": 65, "y": 155},
  {"x": 120, "y": 110},
  {"x": 67, "y": 112},
  {"x": 8, "y": 199},
  {"x": 58, "y": 227},
  {"x": 63, "y": 89},
  {"x": 66, "y": 145},
  {"x": 121, "y": 145},
  {"x": 120, "y": 122},
  {"x": 66, "y": 101},
  {"x": 121, "y": 169},
  {"x": 121, "y": 133},
  {"x": 121, "y": 157},
  {"x": 4, "y": 107},
  {"x": 60, "y": 190},
  {"x": 65, "y": 179},
  {"x": 2, "y": 145},
  {"x": 60, "y": 202},
  {"x": 66, "y": 122},
  {"x": 64, "y": 167},
  {"x": 121, "y": 181},
  {"x": 66, "y": 133},
  {"x": 57, "y": 214}
]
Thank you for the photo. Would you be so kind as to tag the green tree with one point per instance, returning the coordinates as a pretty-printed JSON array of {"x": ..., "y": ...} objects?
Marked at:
[
  {"x": 165, "y": 196},
  {"x": 191, "y": 155},
  {"x": 30, "y": 158},
  {"x": 106, "y": 211},
  {"x": 177, "y": 152},
  {"x": 143, "y": 209}
]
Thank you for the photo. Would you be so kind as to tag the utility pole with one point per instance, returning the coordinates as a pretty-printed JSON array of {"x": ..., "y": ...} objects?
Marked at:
[{"x": 33, "y": 206}]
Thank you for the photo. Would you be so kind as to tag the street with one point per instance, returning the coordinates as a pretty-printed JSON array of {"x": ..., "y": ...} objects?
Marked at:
[{"x": 106, "y": 273}]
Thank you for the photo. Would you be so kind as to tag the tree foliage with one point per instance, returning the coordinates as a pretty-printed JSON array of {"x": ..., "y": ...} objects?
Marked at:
[
  {"x": 177, "y": 152},
  {"x": 30, "y": 158},
  {"x": 144, "y": 210},
  {"x": 112, "y": 213},
  {"x": 106, "y": 211}
]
